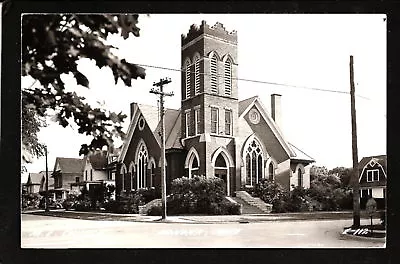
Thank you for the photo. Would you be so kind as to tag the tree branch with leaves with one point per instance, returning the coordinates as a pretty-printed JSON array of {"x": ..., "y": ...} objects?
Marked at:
[{"x": 51, "y": 46}]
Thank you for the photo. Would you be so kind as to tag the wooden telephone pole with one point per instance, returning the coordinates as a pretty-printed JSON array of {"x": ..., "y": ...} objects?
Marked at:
[
  {"x": 356, "y": 184},
  {"x": 47, "y": 183},
  {"x": 162, "y": 94}
]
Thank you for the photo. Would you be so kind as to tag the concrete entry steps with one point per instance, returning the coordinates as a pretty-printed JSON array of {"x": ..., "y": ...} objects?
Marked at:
[
  {"x": 249, "y": 202},
  {"x": 247, "y": 208}
]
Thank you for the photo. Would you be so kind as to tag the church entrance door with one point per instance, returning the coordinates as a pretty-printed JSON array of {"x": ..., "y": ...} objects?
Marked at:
[
  {"x": 222, "y": 173},
  {"x": 221, "y": 170}
]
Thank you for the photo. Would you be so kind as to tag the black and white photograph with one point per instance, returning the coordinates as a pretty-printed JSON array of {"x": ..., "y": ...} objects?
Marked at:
[{"x": 192, "y": 130}]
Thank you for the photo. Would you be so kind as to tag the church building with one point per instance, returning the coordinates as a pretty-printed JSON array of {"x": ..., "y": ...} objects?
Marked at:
[{"x": 213, "y": 133}]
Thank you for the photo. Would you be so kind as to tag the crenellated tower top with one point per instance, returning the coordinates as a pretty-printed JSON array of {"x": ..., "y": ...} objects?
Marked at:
[{"x": 218, "y": 30}]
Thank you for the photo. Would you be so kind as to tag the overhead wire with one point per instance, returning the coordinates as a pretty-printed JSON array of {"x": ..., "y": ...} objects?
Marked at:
[{"x": 254, "y": 81}]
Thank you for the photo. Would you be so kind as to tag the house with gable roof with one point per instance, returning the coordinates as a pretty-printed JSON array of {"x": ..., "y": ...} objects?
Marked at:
[
  {"x": 36, "y": 182},
  {"x": 373, "y": 178},
  {"x": 95, "y": 171},
  {"x": 66, "y": 171},
  {"x": 213, "y": 133}
]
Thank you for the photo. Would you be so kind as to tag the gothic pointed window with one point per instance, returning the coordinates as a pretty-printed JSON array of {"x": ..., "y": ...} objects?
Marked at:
[
  {"x": 299, "y": 178},
  {"x": 214, "y": 74},
  {"x": 271, "y": 171},
  {"x": 152, "y": 174},
  {"x": 187, "y": 78},
  {"x": 197, "y": 75},
  {"x": 142, "y": 160},
  {"x": 193, "y": 166},
  {"x": 254, "y": 163},
  {"x": 123, "y": 173},
  {"x": 228, "y": 77}
]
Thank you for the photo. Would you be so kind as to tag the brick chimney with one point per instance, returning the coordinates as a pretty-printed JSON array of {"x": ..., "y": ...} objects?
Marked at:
[{"x": 276, "y": 109}]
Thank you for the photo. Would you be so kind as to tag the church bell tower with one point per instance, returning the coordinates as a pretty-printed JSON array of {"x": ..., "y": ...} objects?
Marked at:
[{"x": 209, "y": 106}]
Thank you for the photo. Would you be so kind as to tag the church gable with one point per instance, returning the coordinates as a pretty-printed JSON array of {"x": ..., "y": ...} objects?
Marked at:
[
  {"x": 142, "y": 125},
  {"x": 259, "y": 122},
  {"x": 142, "y": 132}
]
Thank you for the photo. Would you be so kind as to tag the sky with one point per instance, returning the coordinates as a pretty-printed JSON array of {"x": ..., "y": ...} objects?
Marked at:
[{"x": 303, "y": 50}]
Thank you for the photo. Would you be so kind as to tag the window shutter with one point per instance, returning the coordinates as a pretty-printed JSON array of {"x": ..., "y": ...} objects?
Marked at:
[
  {"x": 214, "y": 73},
  {"x": 228, "y": 78}
]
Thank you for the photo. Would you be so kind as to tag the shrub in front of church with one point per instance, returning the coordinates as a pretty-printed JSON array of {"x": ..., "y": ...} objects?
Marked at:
[
  {"x": 129, "y": 202},
  {"x": 155, "y": 210},
  {"x": 273, "y": 193},
  {"x": 199, "y": 195},
  {"x": 298, "y": 200}
]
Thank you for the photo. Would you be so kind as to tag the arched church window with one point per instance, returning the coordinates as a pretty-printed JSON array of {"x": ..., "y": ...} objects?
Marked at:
[
  {"x": 220, "y": 162},
  {"x": 187, "y": 72},
  {"x": 142, "y": 159},
  {"x": 228, "y": 77},
  {"x": 197, "y": 75},
  {"x": 254, "y": 163},
  {"x": 193, "y": 165},
  {"x": 271, "y": 171},
  {"x": 152, "y": 174},
  {"x": 299, "y": 177},
  {"x": 214, "y": 74},
  {"x": 123, "y": 173},
  {"x": 221, "y": 170}
]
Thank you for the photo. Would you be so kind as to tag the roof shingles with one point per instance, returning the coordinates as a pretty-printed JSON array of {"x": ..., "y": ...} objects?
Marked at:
[{"x": 70, "y": 165}]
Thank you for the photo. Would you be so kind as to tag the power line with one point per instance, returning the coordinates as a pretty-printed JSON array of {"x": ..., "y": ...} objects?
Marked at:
[{"x": 255, "y": 81}]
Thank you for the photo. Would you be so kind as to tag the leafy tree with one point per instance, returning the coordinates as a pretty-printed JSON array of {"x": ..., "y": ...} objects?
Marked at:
[
  {"x": 344, "y": 174},
  {"x": 315, "y": 171},
  {"x": 51, "y": 46},
  {"x": 31, "y": 124}
]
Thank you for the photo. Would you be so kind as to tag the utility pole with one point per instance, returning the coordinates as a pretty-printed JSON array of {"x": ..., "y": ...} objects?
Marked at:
[
  {"x": 47, "y": 183},
  {"x": 162, "y": 94},
  {"x": 356, "y": 184}
]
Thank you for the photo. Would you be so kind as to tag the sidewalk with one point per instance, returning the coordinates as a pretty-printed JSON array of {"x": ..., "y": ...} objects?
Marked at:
[{"x": 199, "y": 219}]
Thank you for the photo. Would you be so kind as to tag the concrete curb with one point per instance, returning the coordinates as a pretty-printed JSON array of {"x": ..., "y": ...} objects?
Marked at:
[
  {"x": 360, "y": 238},
  {"x": 250, "y": 218}
]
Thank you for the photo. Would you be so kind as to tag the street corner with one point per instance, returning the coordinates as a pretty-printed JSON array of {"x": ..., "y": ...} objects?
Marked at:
[{"x": 363, "y": 234}]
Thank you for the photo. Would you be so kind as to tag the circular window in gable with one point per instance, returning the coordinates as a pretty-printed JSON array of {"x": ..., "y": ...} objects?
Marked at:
[
  {"x": 141, "y": 123},
  {"x": 254, "y": 116}
]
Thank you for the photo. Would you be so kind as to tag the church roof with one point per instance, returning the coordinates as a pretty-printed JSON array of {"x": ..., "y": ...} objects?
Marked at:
[
  {"x": 150, "y": 114},
  {"x": 299, "y": 154},
  {"x": 172, "y": 124},
  {"x": 245, "y": 103},
  {"x": 174, "y": 134}
]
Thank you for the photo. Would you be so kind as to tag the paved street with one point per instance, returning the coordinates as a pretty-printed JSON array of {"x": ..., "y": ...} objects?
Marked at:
[{"x": 56, "y": 232}]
